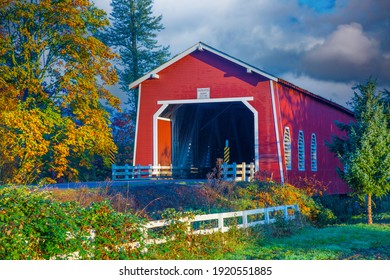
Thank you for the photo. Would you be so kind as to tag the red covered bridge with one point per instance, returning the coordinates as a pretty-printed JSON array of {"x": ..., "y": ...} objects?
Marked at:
[{"x": 192, "y": 106}]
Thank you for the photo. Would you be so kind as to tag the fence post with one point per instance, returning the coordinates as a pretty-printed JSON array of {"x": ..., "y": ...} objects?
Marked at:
[
  {"x": 252, "y": 171},
  {"x": 244, "y": 219},
  {"x": 285, "y": 213},
  {"x": 127, "y": 177},
  {"x": 234, "y": 171},
  {"x": 243, "y": 171},
  {"x": 266, "y": 216},
  {"x": 113, "y": 171},
  {"x": 139, "y": 171},
  {"x": 225, "y": 170},
  {"x": 220, "y": 222}
]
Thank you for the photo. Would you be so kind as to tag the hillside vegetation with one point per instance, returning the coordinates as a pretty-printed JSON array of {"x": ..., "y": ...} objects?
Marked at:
[{"x": 99, "y": 223}]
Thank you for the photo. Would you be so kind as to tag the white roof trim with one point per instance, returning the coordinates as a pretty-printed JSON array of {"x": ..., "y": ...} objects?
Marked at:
[
  {"x": 201, "y": 46},
  {"x": 205, "y": 100}
]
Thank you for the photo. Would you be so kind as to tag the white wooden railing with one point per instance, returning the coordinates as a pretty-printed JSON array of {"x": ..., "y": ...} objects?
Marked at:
[
  {"x": 206, "y": 224},
  {"x": 217, "y": 222},
  {"x": 238, "y": 172},
  {"x": 235, "y": 172}
]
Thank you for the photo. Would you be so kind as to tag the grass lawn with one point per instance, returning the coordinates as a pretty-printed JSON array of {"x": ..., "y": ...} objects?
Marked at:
[{"x": 358, "y": 241}]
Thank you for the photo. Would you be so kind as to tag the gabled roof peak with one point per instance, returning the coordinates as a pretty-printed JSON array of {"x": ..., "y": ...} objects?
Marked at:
[{"x": 200, "y": 46}]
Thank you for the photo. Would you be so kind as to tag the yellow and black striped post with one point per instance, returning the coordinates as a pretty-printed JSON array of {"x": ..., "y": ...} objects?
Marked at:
[{"x": 226, "y": 152}]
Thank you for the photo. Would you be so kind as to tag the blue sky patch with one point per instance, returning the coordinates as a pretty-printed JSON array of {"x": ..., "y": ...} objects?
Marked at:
[{"x": 320, "y": 6}]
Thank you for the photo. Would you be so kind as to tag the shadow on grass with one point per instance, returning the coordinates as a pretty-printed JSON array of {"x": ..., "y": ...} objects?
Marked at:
[{"x": 359, "y": 241}]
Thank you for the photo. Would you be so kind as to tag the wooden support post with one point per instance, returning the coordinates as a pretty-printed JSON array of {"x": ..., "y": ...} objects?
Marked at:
[
  {"x": 266, "y": 216},
  {"x": 243, "y": 171},
  {"x": 220, "y": 222},
  {"x": 127, "y": 175},
  {"x": 234, "y": 171},
  {"x": 139, "y": 171},
  {"x": 244, "y": 219},
  {"x": 113, "y": 170},
  {"x": 285, "y": 213},
  {"x": 252, "y": 171}
]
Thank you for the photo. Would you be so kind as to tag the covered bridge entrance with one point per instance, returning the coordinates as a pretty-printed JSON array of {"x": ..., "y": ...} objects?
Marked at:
[{"x": 195, "y": 134}]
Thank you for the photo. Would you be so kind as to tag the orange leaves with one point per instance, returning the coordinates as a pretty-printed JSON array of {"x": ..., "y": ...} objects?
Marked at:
[{"x": 52, "y": 78}]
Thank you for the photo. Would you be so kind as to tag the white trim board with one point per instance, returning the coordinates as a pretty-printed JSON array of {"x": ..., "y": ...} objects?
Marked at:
[
  {"x": 136, "y": 125},
  {"x": 208, "y": 100},
  {"x": 277, "y": 133}
]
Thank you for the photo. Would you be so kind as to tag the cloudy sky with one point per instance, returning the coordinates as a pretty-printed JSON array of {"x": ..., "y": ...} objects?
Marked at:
[{"x": 325, "y": 46}]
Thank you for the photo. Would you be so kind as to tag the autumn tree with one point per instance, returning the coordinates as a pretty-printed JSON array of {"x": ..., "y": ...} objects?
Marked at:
[
  {"x": 133, "y": 35},
  {"x": 365, "y": 150},
  {"x": 53, "y": 74}
]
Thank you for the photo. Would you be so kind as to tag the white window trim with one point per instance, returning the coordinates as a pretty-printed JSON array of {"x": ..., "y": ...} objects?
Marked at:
[
  {"x": 301, "y": 151},
  {"x": 287, "y": 149},
  {"x": 313, "y": 153}
]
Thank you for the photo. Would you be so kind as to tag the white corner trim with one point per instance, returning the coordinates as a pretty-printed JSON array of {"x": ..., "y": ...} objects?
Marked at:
[
  {"x": 256, "y": 132},
  {"x": 276, "y": 125},
  {"x": 136, "y": 125},
  {"x": 156, "y": 116}
]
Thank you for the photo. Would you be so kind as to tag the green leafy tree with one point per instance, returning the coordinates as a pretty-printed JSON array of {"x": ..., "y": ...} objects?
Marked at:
[
  {"x": 365, "y": 150},
  {"x": 53, "y": 74},
  {"x": 133, "y": 35}
]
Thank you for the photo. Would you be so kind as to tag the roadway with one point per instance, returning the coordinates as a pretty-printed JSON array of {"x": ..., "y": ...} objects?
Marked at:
[{"x": 130, "y": 183}]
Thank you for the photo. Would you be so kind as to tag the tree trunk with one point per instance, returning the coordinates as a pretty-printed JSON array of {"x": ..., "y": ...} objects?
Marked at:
[{"x": 369, "y": 209}]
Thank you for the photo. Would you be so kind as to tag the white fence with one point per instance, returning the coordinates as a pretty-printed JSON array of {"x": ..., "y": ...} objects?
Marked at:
[
  {"x": 129, "y": 172},
  {"x": 206, "y": 224},
  {"x": 236, "y": 172}
]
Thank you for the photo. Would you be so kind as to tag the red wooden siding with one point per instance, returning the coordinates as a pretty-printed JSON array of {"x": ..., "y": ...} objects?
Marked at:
[{"x": 299, "y": 111}]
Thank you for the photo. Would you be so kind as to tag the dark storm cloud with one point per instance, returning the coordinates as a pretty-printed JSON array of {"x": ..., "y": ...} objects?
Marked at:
[
  {"x": 323, "y": 46},
  {"x": 347, "y": 54}
]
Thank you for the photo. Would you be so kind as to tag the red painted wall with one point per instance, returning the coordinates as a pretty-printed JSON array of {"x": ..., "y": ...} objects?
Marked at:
[{"x": 299, "y": 111}]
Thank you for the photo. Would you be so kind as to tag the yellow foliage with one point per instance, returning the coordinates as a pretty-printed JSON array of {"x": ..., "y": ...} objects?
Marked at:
[
  {"x": 52, "y": 78},
  {"x": 287, "y": 195}
]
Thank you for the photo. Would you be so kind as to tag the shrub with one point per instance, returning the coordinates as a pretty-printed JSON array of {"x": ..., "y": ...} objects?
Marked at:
[{"x": 35, "y": 226}]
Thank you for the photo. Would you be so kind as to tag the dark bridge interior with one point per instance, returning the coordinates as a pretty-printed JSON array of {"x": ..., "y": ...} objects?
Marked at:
[{"x": 200, "y": 131}]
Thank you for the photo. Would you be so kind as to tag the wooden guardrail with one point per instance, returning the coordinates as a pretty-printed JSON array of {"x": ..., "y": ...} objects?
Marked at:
[
  {"x": 236, "y": 172},
  {"x": 206, "y": 224}
]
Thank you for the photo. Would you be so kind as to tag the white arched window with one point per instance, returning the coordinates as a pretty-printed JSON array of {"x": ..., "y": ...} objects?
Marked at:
[
  {"x": 287, "y": 148},
  {"x": 313, "y": 152},
  {"x": 301, "y": 151}
]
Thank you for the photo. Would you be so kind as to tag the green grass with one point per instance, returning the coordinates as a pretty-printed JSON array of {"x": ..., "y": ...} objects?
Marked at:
[{"x": 358, "y": 241}]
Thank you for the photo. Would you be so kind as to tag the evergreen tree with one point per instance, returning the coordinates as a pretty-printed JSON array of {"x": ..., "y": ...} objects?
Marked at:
[
  {"x": 132, "y": 35},
  {"x": 365, "y": 151}
]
